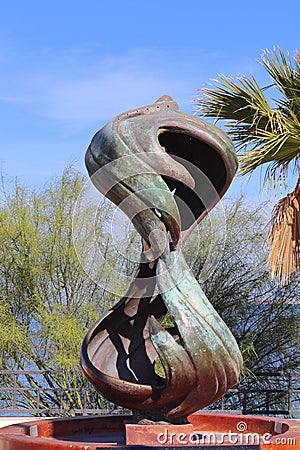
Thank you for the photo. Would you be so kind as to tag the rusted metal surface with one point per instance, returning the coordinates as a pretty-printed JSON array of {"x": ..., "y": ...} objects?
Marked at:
[{"x": 137, "y": 160}]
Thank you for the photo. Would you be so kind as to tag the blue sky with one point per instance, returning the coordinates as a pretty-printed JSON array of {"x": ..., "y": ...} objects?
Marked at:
[{"x": 67, "y": 67}]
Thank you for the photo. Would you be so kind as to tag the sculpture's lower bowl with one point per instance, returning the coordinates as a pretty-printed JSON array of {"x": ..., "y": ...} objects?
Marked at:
[{"x": 106, "y": 432}]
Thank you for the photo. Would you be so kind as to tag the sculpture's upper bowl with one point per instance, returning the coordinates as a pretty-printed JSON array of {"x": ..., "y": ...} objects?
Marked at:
[{"x": 190, "y": 155}]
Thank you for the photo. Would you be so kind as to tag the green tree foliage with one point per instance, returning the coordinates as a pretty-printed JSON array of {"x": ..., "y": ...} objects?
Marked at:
[{"x": 48, "y": 300}]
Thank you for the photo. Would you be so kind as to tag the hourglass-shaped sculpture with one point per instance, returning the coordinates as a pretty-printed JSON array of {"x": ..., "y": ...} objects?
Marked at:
[{"x": 166, "y": 170}]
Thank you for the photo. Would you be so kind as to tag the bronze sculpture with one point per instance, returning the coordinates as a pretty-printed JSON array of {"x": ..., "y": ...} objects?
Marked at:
[{"x": 143, "y": 161}]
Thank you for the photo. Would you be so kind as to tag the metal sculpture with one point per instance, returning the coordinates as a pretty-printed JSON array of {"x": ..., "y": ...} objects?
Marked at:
[{"x": 137, "y": 160}]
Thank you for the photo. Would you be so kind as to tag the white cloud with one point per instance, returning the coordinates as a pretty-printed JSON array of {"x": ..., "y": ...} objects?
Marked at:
[{"x": 88, "y": 90}]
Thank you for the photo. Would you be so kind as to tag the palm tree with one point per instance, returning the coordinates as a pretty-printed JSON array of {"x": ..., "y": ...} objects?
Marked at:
[{"x": 266, "y": 135}]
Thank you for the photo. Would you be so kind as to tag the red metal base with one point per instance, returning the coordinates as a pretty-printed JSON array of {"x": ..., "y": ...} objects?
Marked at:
[{"x": 204, "y": 430}]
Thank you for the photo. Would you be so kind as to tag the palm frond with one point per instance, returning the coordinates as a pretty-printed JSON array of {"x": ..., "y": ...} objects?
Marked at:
[
  {"x": 284, "y": 238},
  {"x": 276, "y": 148},
  {"x": 286, "y": 74},
  {"x": 262, "y": 134},
  {"x": 239, "y": 102}
]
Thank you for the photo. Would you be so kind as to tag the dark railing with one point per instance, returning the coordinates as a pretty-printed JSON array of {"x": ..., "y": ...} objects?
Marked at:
[
  {"x": 40, "y": 393},
  {"x": 28, "y": 393},
  {"x": 265, "y": 393}
]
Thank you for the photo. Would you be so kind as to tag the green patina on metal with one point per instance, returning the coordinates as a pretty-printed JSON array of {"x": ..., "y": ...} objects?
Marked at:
[{"x": 166, "y": 170}]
